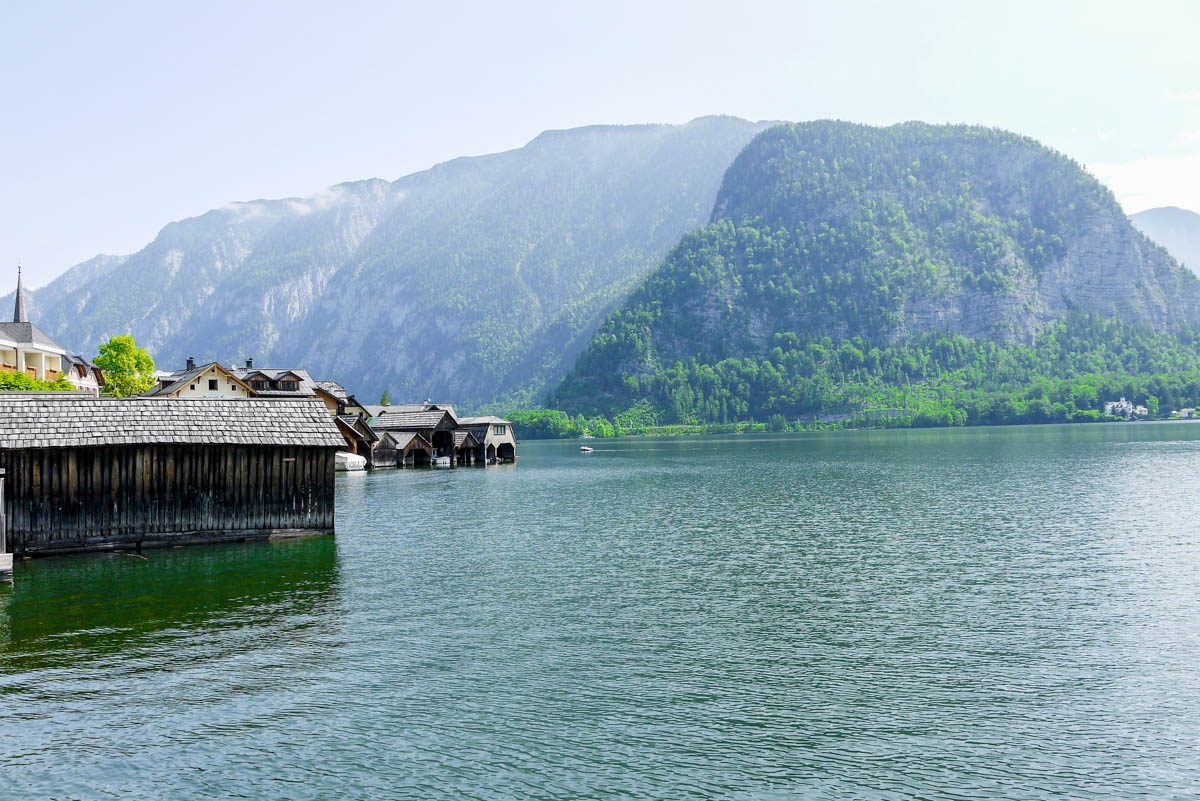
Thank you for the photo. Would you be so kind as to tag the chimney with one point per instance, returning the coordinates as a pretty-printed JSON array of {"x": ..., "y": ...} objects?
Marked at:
[
  {"x": 191, "y": 365},
  {"x": 249, "y": 364}
]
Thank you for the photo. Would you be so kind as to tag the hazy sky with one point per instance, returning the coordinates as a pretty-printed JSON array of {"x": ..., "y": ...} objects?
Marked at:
[{"x": 116, "y": 118}]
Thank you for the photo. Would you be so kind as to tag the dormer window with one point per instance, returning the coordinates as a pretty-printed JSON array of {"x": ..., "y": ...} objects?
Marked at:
[
  {"x": 289, "y": 386},
  {"x": 260, "y": 384}
]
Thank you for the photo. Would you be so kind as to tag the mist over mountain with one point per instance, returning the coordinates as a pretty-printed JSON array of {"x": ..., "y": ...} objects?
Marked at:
[
  {"x": 1176, "y": 229},
  {"x": 920, "y": 249},
  {"x": 475, "y": 280}
]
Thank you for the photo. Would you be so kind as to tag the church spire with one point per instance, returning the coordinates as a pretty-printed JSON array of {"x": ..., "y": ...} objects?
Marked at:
[{"x": 19, "y": 305}]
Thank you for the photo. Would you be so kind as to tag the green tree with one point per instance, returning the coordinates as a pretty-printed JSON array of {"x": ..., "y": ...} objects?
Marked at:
[
  {"x": 128, "y": 368},
  {"x": 386, "y": 398}
]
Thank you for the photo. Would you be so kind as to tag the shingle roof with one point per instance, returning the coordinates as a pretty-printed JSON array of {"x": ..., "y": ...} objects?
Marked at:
[
  {"x": 411, "y": 421},
  {"x": 483, "y": 421},
  {"x": 403, "y": 438},
  {"x": 178, "y": 379},
  {"x": 306, "y": 386},
  {"x": 27, "y": 333},
  {"x": 333, "y": 388},
  {"x": 462, "y": 435},
  {"x": 71, "y": 421}
]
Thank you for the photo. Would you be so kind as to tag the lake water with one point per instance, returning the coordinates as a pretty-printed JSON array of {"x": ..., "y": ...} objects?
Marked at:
[{"x": 983, "y": 613}]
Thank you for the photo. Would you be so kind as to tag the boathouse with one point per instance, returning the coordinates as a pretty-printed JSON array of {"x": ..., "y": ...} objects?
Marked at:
[
  {"x": 436, "y": 426},
  {"x": 86, "y": 473},
  {"x": 497, "y": 441}
]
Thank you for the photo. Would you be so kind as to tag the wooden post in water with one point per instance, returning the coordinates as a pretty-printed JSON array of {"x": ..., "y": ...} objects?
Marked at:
[{"x": 5, "y": 556}]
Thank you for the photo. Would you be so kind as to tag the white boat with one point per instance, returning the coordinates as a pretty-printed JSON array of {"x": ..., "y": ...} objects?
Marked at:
[
  {"x": 344, "y": 461},
  {"x": 586, "y": 449},
  {"x": 442, "y": 461}
]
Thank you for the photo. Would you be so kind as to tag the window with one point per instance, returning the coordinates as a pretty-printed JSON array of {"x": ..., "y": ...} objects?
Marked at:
[
  {"x": 192, "y": 387},
  {"x": 259, "y": 384},
  {"x": 212, "y": 384},
  {"x": 289, "y": 386},
  {"x": 500, "y": 430}
]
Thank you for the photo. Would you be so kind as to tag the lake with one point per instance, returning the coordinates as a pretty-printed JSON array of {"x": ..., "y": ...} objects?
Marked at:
[{"x": 983, "y": 613}]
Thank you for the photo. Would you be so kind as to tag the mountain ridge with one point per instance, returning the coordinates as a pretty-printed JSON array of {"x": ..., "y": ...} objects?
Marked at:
[
  {"x": 835, "y": 232},
  {"x": 394, "y": 284}
]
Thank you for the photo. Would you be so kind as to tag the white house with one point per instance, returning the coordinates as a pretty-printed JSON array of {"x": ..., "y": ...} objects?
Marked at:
[{"x": 25, "y": 348}]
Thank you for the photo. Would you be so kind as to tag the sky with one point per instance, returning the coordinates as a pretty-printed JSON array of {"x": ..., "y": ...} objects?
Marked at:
[{"x": 119, "y": 117}]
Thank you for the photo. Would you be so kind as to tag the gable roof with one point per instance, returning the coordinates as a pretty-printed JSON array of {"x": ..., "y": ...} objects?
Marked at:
[
  {"x": 28, "y": 334},
  {"x": 402, "y": 439},
  {"x": 72, "y": 421},
  {"x": 307, "y": 385},
  {"x": 464, "y": 437},
  {"x": 413, "y": 421},
  {"x": 185, "y": 377},
  {"x": 333, "y": 388}
]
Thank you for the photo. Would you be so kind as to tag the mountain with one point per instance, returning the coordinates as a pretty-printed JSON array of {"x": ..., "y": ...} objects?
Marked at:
[
  {"x": 478, "y": 279},
  {"x": 841, "y": 256},
  {"x": 1176, "y": 229}
]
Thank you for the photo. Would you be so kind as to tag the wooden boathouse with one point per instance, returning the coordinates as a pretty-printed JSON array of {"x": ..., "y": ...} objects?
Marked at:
[{"x": 86, "y": 473}]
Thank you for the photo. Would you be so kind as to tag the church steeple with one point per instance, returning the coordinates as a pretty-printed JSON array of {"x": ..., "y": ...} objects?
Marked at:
[{"x": 19, "y": 305}]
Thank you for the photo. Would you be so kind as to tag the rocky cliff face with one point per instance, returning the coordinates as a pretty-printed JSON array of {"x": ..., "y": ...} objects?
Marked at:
[
  {"x": 476, "y": 280},
  {"x": 836, "y": 230}
]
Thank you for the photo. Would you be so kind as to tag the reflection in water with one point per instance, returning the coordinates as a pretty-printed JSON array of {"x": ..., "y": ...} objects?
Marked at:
[{"x": 989, "y": 613}]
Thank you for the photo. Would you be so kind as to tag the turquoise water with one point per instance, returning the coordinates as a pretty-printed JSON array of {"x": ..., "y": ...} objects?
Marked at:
[{"x": 985, "y": 613}]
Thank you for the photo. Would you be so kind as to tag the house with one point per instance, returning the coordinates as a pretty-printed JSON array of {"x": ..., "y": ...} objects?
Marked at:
[
  {"x": 496, "y": 437},
  {"x": 210, "y": 381},
  {"x": 1126, "y": 409},
  {"x": 86, "y": 473},
  {"x": 25, "y": 348},
  {"x": 82, "y": 374}
]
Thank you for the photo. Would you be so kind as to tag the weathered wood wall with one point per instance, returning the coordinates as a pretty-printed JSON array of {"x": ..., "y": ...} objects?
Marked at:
[{"x": 79, "y": 498}]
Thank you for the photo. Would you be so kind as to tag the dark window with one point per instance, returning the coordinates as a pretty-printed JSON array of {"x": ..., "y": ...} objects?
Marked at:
[
  {"x": 289, "y": 386},
  {"x": 212, "y": 384},
  {"x": 501, "y": 430},
  {"x": 192, "y": 387},
  {"x": 259, "y": 384}
]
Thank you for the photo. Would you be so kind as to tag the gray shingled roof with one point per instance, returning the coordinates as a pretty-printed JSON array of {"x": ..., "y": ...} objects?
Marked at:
[
  {"x": 72, "y": 421},
  {"x": 462, "y": 435},
  {"x": 27, "y": 334},
  {"x": 305, "y": 388},
  {"x": 411, "y": 421}
]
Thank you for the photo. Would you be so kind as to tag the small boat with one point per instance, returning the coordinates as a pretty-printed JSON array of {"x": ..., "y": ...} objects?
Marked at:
[
  {"x": 586, "y": 449},
  {"x": 442, "y": 461},
  {"x": 344, "y": 461}
]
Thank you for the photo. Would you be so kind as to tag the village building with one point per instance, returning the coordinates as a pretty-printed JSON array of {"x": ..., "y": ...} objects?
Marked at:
[
  {"x": 402, "y": 449},
  {"x": 83, "y": 375},
  {"x": 86, "y": 473},
  {"x": 210, "y": 381},
  {"x": 436, "y": 426},
  {"x": 496, "y": 437},
  {"x": 25, "y": 348}
]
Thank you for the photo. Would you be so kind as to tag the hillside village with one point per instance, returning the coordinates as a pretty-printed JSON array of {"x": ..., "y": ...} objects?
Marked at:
[{"x": 376, "y": 436}]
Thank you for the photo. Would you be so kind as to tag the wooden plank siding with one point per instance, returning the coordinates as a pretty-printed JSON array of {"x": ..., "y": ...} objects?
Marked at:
[{"x": 160, "y": 494}]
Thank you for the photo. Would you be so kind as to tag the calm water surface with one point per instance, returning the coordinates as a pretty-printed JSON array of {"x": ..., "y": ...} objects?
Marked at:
[{"x": 987, "y": 613}]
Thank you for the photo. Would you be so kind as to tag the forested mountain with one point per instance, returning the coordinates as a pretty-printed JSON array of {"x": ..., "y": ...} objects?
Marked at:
[
  {"x": 1176, "y": 229},
  {"x": 475, "y": 280},
  {"x": 843, "y": 263}
]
